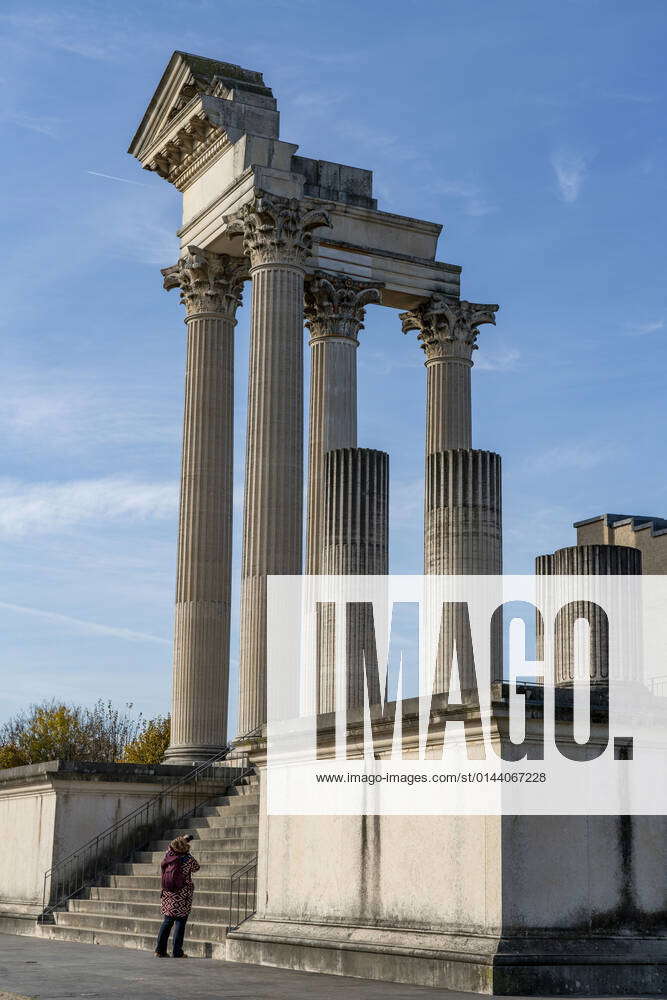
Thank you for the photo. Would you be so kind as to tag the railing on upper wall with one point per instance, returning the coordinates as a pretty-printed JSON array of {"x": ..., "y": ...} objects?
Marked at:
[
  {"x": 242, "y": 894},
  {"x": 168, "y": 809}
]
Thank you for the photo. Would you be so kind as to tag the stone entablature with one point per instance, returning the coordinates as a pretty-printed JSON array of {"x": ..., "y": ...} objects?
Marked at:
[
  {"x": 201, "y": 107},
  {"x": 211, "y": 129}
]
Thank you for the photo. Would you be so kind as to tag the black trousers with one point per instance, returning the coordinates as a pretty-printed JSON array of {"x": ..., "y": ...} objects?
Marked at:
[{"x": 179, "y": 934}]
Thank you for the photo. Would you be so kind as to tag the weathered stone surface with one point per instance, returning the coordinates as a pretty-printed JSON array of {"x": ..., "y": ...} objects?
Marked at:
[
  {"x": 588, "y": 560},
  {"x": 277, "y": 236},
  {"x": 210, "y": 286},
  {"x": 334, "y": 310},
  {"x": 355, "y": 542}
]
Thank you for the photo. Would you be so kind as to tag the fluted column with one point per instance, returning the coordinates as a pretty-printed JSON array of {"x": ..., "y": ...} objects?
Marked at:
[
  {"x": 463, "y": 537},
  {"x": 334, "y": 309},
  {"x": 592, "y": 560},
  {"x": 355, "y": 541},
  {"x": 277, "y": 237},
  {"x": 448, "y": 330},
  {"x": 463, "y": 531},
  {"x": 210, "y": 286},
  {"x": 462, "y": 502}
]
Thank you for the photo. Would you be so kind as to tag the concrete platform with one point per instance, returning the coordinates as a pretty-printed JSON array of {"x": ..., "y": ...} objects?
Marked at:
[{"x": 47, "y": 970}]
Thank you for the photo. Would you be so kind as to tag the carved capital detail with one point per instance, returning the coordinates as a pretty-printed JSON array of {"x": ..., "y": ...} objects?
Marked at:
[
  {"x": 448, "y": 327},
  {"x": 334, "y": 305},
  {"x": 276, "y": 230},
  {"x": 209, "y": 282}
]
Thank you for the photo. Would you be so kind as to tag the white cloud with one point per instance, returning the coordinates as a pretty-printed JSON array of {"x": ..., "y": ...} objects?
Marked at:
[
  {"x": 580, "y": 455},
  {"x": 470, "y": 195},
  {"x": 60, "y": 410},
  {"x": 570, "y": 168},
  {"x": 503, "y": 360},
  {"x": 642, "y": 329},
  {"x": 83, "y": 36},
  {"x": 86, "y": 627},
  {"x": 42, "y": 124},
  {"x": 45, "y": 508}
]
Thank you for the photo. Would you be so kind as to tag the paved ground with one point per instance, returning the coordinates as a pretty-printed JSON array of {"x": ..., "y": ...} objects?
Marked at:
[
  {"x": 32, "y": 969},
  {"x": 55, "y": 970}
]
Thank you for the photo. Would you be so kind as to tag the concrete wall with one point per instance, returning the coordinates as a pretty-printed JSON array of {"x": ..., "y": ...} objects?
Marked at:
[
  {"x": 27, "y": 821},
  {"x": 365, "y": 870},
  {"x": 476, "y": 874},
  {"x": 49, "y": 810},
  {"x": 584, "y": 873}
]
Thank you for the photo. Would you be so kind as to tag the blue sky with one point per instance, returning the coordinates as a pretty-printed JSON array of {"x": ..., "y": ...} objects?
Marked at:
[{"x": 533, "y": 131}]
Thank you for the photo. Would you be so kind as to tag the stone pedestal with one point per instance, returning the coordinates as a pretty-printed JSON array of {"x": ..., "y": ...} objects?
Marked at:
[
  {"x": 277, "y": 237},
  {"x": 356, "y": 541},
  {"x": 334, "y": 309},
  {"x": 210, "y": 287}
]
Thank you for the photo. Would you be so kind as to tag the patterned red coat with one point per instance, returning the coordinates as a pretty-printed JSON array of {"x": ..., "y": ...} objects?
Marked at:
[{"x": 179, "y": 903}]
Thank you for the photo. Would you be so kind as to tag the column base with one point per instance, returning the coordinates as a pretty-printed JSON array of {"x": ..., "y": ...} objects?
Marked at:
[
  {"x": 192, "y": 753},
  {"x": 549, "y": 963}
]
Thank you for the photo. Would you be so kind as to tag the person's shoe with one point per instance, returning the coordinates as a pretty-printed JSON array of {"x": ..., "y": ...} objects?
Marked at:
[
  {"x": 179, "y": 956},
  {"x": 161, "y": 954}
]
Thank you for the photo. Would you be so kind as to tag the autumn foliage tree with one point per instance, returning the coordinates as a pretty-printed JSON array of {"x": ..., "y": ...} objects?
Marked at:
[
  {"x": 151, "y": 744},
  {"x": 101, "y": 734}
]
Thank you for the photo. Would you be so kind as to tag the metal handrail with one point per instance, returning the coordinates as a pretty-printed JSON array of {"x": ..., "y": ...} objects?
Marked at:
[
  {"x": 247, "y": 875},
  {"x": 174, "y": 804}
]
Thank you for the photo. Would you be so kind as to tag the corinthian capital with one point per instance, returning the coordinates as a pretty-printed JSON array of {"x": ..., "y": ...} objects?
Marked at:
[
  {"x": 209, "y": 282},
  {"x": 448, "y": 327},
  {"x": 276, "y": 230},
  {"x": 334, "y": 305}
]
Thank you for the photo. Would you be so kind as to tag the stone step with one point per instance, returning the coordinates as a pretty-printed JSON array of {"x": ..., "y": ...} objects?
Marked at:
[
  {"x": 235, "y": 855},
  {"x": 222, "y": 868},
  {"x": 231, "y": 808},
  {"x": 204, "y": 884},
  {"x": 232, "y": 828},
  {"x": 248, "y": 788},
  {"x": 248, "y": 843},
  {"x": 219, "y": 899},
  {"x": 133, "y": 925},
  {"x": 149, "y": 911},
  {"x": 235, "y": 799},
  {"x": 142, "y": 942},
  {"x": 226, "y": 819}
]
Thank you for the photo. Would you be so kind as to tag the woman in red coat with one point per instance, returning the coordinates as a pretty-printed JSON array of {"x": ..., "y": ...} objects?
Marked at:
[{"x": 177, "y": 892}]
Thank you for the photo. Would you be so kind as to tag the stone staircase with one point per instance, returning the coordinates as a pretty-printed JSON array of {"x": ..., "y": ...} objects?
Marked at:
[{"x": 124, "y": 909}]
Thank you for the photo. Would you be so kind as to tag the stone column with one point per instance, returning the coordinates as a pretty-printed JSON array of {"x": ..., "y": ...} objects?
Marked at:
[
  {"x": 210, "y": 286},
  {"x": 277, "y": 237},
  {"x": 591, "y": 560},
  {"x": 334, "y": 309},
  {"x": 462, "y": 503},
  {"x": 448, "y": 330},
  {"x": 355, "y": 541}
]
